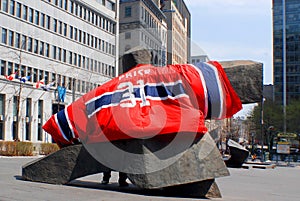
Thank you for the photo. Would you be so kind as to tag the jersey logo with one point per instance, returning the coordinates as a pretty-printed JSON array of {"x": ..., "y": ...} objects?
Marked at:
[{"x": 128, "y": 94}]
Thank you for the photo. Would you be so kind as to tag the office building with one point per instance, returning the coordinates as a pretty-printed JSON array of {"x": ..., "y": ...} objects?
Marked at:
[
  {"x": 66, "y": 43},
  {"x": 143, "y": 26},
  {"x": 292, "y": 50},
  {"x": 198, "y": 54},
  {"x": 179, "y": 31}
]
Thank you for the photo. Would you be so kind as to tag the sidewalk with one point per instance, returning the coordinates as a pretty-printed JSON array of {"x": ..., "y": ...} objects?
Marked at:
[{"x": 280, "y": 183}]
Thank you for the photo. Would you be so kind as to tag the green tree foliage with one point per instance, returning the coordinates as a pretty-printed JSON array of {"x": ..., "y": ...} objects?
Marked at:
[
  {"x": 273, "y": 116},
  {"x": 293, "y": 117}
]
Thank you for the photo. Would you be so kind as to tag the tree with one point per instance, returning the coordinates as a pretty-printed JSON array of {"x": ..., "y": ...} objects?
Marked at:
[{"x": 273, "y": 116}]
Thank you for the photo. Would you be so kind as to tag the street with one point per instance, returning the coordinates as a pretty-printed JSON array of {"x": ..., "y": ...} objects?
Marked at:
[{"x": 281, "y": 183}]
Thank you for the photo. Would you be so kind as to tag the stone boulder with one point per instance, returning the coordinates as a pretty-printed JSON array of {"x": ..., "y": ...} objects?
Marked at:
[{"x": 246, "y": 77}]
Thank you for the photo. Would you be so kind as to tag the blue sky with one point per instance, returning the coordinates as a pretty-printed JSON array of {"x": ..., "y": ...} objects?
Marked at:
[{"x": 233, "y": 30}]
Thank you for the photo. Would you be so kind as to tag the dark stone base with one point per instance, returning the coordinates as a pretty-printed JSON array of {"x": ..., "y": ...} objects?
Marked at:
[
  {"x": 62, "y": 166},
  {"x": 192, "y": 174},
  {"x": 203, "y": 189}
]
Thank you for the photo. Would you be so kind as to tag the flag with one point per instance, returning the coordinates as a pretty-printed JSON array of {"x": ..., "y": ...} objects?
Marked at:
[
  {"x": 144, "y": 101},
  {"x": 61, "y": 93},
  {"x": 39, "y": 84},
  {"x": 12, "y": 76},
  {"x": 48, "y": 86},
  {"x": 25, "y": 79}
]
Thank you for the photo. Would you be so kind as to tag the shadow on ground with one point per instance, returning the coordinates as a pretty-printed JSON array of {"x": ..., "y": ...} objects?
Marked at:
[{"x": 131, "y": 189}]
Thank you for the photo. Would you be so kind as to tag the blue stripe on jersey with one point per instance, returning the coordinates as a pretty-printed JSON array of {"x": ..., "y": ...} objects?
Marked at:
[
  {"x": 213, "y": 90},
  {"x": 63, "y": 123},
  {"x": 160, "y": 91}
]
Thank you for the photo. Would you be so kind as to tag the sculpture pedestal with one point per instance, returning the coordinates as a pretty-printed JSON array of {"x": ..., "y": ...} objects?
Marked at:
[{"x": 191, "y": 174}]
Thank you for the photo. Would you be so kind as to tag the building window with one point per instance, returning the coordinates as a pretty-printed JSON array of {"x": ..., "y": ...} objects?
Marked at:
[
  {"x": 5, "y": 5},
  {"x": 64, "y": 55},
  {"x": 10, "y": 38},
  {"x": 12, "y": 7},
  {"x": 29, "y": 71},
  {"x": 87, "y": 64},
  {"x": 46, "y": 77},
  {"x": 34, "y": 75},
  {"x": 9, "y": 68},
  {"x": 30, "y": 15},
  {"x": 75, "y": 59},
  {"x": 65, "y": 29},
  {"x": 48, "y": 22},
  {"x": 110, "y": 5},
  {"x": 79, "y": 60},
  {"x": 79, "y": 35},
  {"x": 71, "y": 32},
  {"x": 47, "y": 50},
  {"x": 75, "y": 33},
  {"x": 59, "y": 53},
  {"x": 17, "y": 40},
  {"x": 83, "y": 38},
  {"x": 53, "y": 77},
  {"x": 2, "y": 68},
  {"x": 36, "y": 17},
  {"x": 23, "y": 47},
  {"x": 60, "y": 3},
  {"x": 128, "y": 11},
  {"x": 54, "y": 52},
  {"x": 83, "y": 61},
  {"x": 36, "y": 46},
  {"x": 55, "y": 25},
  {"x": 42, "y": 19},
  {"x": 18, "y": 10},
  {"x": 41, "y": 74},
  {"x": 4, "y": 35},
  {"x": 80, "y": 11},
  {"x": 66, "y": 5},
  {"x": 70, "y": 58},
  {"x": 88, "y": 39},
  {"x": 60, "y": 27},
  {"x": 24, "y": 12},
  {"x": 71, "y": 6},
  {"x": 41, "y": 48}
]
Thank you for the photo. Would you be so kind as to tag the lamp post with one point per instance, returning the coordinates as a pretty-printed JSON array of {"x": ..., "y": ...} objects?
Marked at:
[
  {"x": 252, "y": 142},
  {"x": 270, "y": 140},
  {"x": 262, "y": 127}
]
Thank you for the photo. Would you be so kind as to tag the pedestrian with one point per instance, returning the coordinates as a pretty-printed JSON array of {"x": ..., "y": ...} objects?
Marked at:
[{"x": 122, "y": 178}]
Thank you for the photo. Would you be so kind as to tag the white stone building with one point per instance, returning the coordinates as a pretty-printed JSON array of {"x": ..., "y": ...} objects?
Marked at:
[
  {"x": 143, "y": 25},
  {"x": 69, "y": 42},
  {"x": 198, "y": 54}
]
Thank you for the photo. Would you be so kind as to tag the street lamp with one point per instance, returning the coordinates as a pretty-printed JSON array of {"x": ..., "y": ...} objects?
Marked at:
[
  {"x": 270, "y": 140},
  {"x": 262, "y": 127},
  {"x": 252, "y": 142}
]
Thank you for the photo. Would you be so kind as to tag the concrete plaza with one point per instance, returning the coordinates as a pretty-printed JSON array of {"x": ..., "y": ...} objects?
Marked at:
[{"x": 281, "y": 183}]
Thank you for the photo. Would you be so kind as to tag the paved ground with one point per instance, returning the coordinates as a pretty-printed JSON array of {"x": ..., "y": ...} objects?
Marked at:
[{"x": 281, "y": 183}]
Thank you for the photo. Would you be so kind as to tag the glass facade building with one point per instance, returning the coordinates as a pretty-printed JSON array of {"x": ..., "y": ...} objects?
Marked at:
[{"x": 292, "y": 41}]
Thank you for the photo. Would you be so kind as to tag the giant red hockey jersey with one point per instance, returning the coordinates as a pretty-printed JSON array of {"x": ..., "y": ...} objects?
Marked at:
[{"x": 147, "y": 101}]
